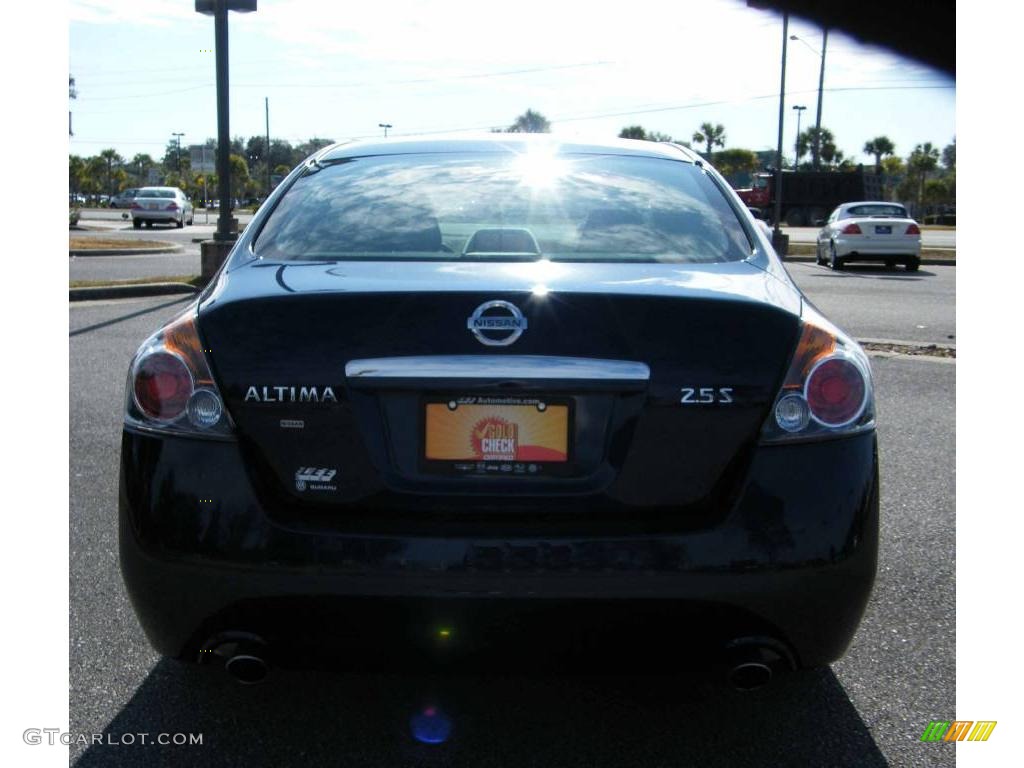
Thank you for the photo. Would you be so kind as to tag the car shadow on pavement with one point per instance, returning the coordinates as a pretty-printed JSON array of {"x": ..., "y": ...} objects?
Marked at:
[
  {"x": 299, "y": 717},
  {"x": 113, "y": 321},
  {"x": 879, "y": 273}
]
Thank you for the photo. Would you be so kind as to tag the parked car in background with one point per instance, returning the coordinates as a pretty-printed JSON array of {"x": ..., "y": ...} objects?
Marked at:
[
  {"x": 449, "y": 391},
  {"x": 870, "y": 231},
  {"x": 76, "y": 198},
  {"x": 161, "y": 204},
  {"x": 123, "y": 199}
]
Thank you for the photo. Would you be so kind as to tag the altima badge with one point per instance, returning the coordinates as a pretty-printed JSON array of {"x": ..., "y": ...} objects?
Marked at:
[{"x": 499, "y": 316}]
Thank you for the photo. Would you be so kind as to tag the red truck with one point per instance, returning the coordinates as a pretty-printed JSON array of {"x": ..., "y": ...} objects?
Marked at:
[{"x": 808, "y": 197}]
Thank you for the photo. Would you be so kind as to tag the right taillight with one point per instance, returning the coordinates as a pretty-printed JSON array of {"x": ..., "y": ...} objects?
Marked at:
[
  {"x": 170, "y": 385},
  {"x": 827, "y": 391},
  {"x": 852, "y": 229},
  {"x": 913, "y": 229}
]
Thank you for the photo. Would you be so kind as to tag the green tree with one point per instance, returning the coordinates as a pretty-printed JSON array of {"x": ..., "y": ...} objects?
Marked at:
[
  {"x": 712, "y": 135},
  {"x": 307, "y": 148},
  {"x": 92, "y": 176},
  {"x": 736, "y": 161},
  {"x": 76, "y": 171},
  {"x": 110, "y": 160},
  {"x": 239, "y": 175},
  {"x": 638, "y": 132},
  {"x": 530, "y": 122},
  {"x": 922, "y": 161},
  {"x": 72, "y": 94},
  {"x": 880, "y": 146},
  {"x": 949, "y": 156},
  {"x": 140, "y": 166},
  {"x": 893, "y": 173},
  {"x": 826, "y": 143}
]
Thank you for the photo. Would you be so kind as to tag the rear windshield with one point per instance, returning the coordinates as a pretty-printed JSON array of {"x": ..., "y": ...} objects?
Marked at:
[
  {"x": 877, "y": 210},
  {"x": 156, "y": 193},
  {"x": 504, "y": 207}
]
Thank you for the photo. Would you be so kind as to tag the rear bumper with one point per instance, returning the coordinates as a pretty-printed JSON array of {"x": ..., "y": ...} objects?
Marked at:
[
  {"x": 867, "y": 250},
  {"x": 157, "y": 215},
  {"x": 793, "y": 559}
]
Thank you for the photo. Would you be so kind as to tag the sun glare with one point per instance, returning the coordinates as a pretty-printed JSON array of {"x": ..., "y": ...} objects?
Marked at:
[{"x": 539, "y": 168}]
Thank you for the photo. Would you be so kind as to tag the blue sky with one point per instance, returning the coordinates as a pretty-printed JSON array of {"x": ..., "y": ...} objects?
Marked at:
[{"x": 144, "y": 70}]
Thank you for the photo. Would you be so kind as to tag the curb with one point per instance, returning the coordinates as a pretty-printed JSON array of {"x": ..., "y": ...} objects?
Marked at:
[
  {"x": 125, "y": 251},
  {"x": 809, "y": 258},
  {"x": 903, "y": 343},
  {"x": 129, "y": 291}
]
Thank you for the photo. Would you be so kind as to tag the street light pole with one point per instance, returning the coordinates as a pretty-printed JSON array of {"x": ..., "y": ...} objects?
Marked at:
[
  {"x": 214, "y": 252},
  {"x": 796, "y": 145},
  {"x": 266, "y": 109},
  {"x": 821, "y": 88},
  {"x": 177, "y": 152},
  {"x": 385, "y": 126},
  {"x": 816, "y": 140},
  {"x": 777, "y": 232}
]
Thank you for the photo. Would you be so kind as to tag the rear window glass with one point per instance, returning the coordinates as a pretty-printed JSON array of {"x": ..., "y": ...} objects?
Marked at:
[
  {"x": 877, "y": 210},
  {"x": 156, "y": 193},
  {"x": 504, "y": 207}
]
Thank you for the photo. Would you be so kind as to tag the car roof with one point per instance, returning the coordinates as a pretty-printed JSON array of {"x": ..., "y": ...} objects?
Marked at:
[{"x": 504, "y": 142}]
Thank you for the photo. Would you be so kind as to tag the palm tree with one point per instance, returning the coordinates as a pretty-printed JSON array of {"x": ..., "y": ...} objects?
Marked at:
[
  {"x": 110, "y": 158},
  {"x": 712, "y": 135},
  {"x": 880, "y": 146},
  {"x": 922, "y": 161},
  {"x": 141, "y": 163},
  {"x": 825, "y": 140},
  {"x": 530, "y": 122}
]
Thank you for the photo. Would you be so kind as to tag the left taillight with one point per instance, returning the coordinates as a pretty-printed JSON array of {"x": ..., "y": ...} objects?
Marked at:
[
  {"x": 827, "y": 391},
  {"x": 170, "y": 387},
  {"x": 913, "y": 229}
]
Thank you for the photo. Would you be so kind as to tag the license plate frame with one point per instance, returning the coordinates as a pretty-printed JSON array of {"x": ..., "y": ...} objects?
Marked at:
[{"x": 476, "y": 407}]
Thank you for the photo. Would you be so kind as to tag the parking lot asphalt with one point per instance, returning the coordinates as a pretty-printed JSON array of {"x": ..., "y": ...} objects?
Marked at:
[{"x": 869, "y": 709}]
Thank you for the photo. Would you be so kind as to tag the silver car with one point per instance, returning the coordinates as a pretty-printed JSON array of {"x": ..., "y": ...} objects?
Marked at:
[
  {"x": 870, "y": 231},
  {"x": 123, "y": 199},
  {"x": 161, "y": 204}
]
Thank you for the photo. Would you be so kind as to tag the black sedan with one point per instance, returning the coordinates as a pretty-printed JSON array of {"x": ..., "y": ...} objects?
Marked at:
[{"x": 460, "y": 395}]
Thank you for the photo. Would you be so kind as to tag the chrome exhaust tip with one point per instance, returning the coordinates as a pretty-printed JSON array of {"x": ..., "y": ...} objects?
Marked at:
[
  {"x": 243, "y": 654},
  {"x": 753, "y": 662},
  {"x": 749, "y": 676},
  {"x": 247, "y": 668}
]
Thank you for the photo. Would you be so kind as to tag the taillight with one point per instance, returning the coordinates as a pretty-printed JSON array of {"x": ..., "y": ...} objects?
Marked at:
[
  {"x": 827, "y": 390},
  {"x": 835, "y": 392},
  {"x": 136, "y": 207},
  {"x": 913, "y": 229},
  {"x": 172, "y": 207},
  {"x": 852, "y": 229},
  {"x": 162, "y": 386},
  {"x": 170, "y": 386}
]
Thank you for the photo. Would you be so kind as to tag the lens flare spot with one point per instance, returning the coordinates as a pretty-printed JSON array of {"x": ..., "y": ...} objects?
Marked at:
[{"x": 430, "y": 726}]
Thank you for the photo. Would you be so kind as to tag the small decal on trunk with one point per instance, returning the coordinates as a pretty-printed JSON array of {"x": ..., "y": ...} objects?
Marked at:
[
  {"x": 292, "y": 424},
  {"x": 315, "y": 479}
]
